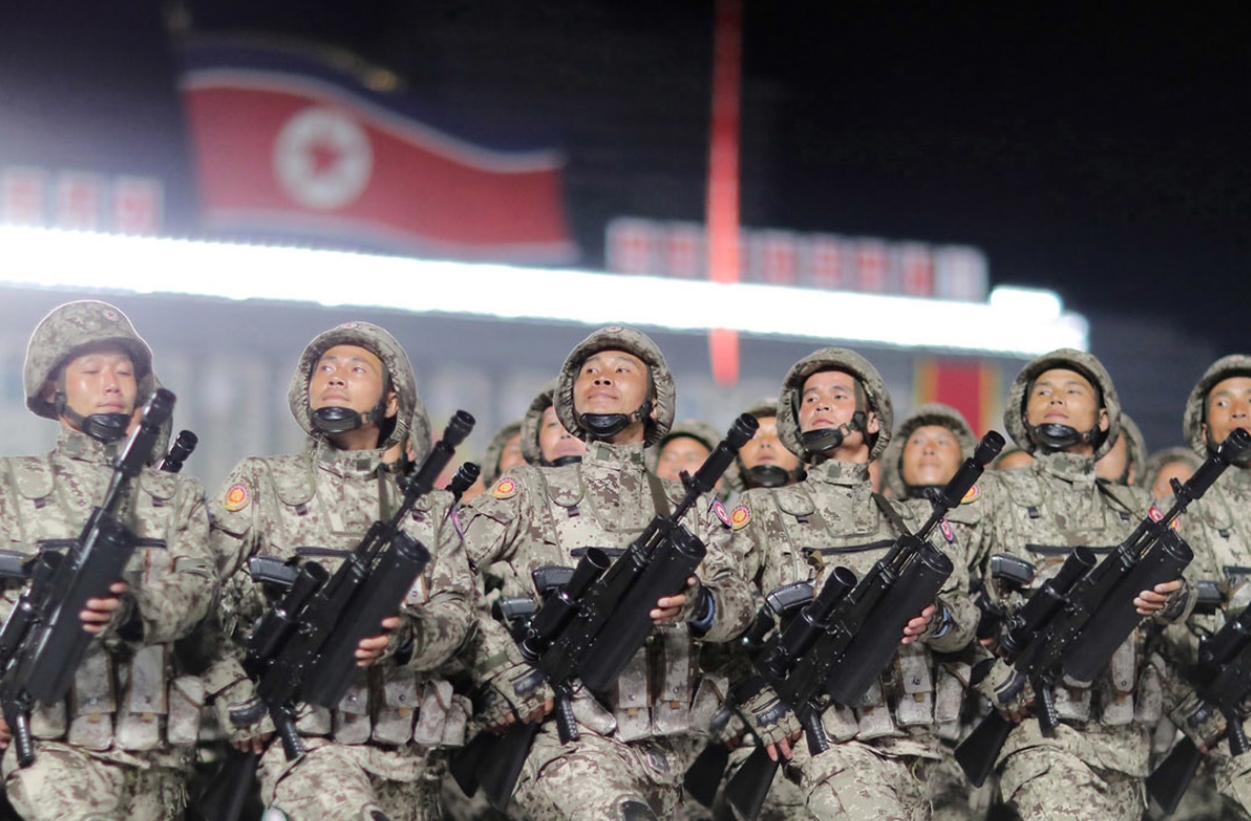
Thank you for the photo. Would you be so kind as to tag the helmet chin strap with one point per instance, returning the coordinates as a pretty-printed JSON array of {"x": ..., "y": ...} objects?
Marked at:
[
  {"x": 1055, "y": 437},
  {"x": 824, "y": 440},
  {"x": 103, "y": 427},
  {"x": 601, "y": 426},
  {"x": 334, "y": 420},
  {"x": 766, "y": 475},
  {"x": 561, "y": 461}
]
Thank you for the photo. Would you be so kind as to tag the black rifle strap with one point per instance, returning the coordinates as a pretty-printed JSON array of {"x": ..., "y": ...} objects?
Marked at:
[
  {"x": 896, "y": 521},
  {"x": 659, "y": 498}
]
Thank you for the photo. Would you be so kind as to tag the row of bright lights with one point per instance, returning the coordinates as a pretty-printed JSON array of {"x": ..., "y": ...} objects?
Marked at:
[{"x": 1015, "y": 321}]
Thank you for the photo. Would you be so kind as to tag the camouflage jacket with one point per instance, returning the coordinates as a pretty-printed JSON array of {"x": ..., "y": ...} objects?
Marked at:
[
  {"x": 1040, "y": 513},
  {"x": 317, "y": 505},
  {"x": 44, "y": 503},
  {"x": 800, "y": 533},
  {"x": 536, "y": 517}
]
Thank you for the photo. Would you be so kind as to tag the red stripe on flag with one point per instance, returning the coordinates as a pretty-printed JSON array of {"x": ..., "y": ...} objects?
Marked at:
[
  {"x": 723, "y": 171},
  {"x": 962, "y": 384}
]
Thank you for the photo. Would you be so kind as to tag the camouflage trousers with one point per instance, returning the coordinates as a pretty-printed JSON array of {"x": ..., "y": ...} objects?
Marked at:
[
  {"x": 66, "y": 783},
  {"x": 1233, "y": 783},
  {"x": 601, "y": 779},
  {"x": 331, "y": 783},
  {"x": 953, "y": 797},
  {"x": 854, "y": 780},
  {"x": 1044, "y": 783},
  {"x": 785, "y": 800}
]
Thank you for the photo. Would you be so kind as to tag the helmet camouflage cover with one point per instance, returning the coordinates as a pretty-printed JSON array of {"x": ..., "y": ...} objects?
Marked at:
[
  {"x": 933, "y": 413},
  {"x": 833, "y": 359},
  {"x": 1069, "y": 359},
  {"x": 618, "y": 338},
  {"x": 1135, "y": 447},
  {"x": 1197, "y": 403},
  {"x": 495, "y": 452},
  {"x": 70, "y": 329},
  {"x": 412, "y": 414},
  {"x": 532, "y": 424}
]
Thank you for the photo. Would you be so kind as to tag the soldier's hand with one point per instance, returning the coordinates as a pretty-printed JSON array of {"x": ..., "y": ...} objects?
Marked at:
[
  {"x": 256, "y": 744},
  {"x": 6, "y": 735},
  {"x": 516, "y": 692},
  {"x": 914, "y": 628},
  {"x": 100, "y": 612},
  {"x": 669, "y": 607},
  {"x": 1202, "y": 722},
  {"x": 785, "y": 747},
  {"x": 1005, "y": 688},
  {"x": 370, "y": 649},
  {"x": 773, "y": 722},
  {"x": 1150, "y": 602}
]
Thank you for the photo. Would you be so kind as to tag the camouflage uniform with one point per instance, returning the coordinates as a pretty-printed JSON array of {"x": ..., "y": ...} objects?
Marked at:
[
  {"x": 1095, "y": 764},
  {"x": 117, "y": 748},
  {"x": 636, "y": 740},
  {"x": 371, "y": 754},
  {"x": 952, "y": 795},
  {"x": 884, "y": 749},
  {"x": 1218, "y": 529}
]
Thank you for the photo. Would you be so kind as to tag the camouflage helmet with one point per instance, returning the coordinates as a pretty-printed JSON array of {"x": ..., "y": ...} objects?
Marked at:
[
  {"x": 763, "y": 408},
  {"x": 1135, "y": 447},
  {"x": 495, "y": 452},
  {"x": 532, "y": 424},
  {"x": 618, "y": 338},
  {"x": 71, "y": 328},
  {"x": 411, "y": 414},
  {"x": 1069, "y": 359},
  {"x": 707, "y": 436},
  {"x": 420, "y": 437},
  {"x": 833, "y": 359},
  {"x": 1197, "y": 403},
  {"x": 933, "y": 413}
]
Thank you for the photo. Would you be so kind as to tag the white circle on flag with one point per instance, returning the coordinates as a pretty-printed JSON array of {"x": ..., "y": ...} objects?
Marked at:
[{"x": 323, "y": 159}]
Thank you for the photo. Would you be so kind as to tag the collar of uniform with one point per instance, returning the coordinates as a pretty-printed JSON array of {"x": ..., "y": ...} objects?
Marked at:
[
  {"x": 345, "y": 462},
  {"x": 835, "y": 472},
  {"x": 78, "y": 445},
  {"x": 602, "y": 454},
  {"x": 1071, "y": 467},
  {"x": 1239, "y": 479}
]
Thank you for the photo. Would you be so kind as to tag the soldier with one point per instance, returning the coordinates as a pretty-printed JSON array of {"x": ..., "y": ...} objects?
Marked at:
[
  {"x": 545, "y": 441},
  {"x": 835, "y": 413},
  {"x": 1218, "y": 529},
  {"x": 927, "y": 449},
  {"x": 1124, "y": 463},
  {"x": 119, "y": 748},
  {"x": 616, "y": 392},
  {"x": 503, "y": 454},
  {"x": 685, "y": 448},
  {"x": 1063, "y": 409},
  {"x": 764, "y": 461},
  {"x": 353, "y": 393},
  {"x": 1165, "y": 465}
]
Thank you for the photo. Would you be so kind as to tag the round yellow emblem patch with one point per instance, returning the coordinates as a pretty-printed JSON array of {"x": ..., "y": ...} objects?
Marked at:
[
  {"x": 740, "y": 517},
  {"x": 237, "y": 498},
  {"x": 971, "y": 496},
  {"x": 505, "y": 488}
]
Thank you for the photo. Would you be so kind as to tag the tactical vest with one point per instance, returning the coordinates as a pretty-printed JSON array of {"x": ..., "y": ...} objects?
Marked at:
[
  {"x": 385, "y": 704},
  {"x": 123, "y": 697}
]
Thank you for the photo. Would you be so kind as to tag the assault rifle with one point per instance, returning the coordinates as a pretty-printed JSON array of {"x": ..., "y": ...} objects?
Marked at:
[
  {"x": 1074, "y": 622},
  {"x": 1222, "y": 680},
  {"x": 594, "y": 624},
  {"x": 43, "y": 640},
  {"x": 304, "y": 648},
  {"x": 840, "y": 644}
]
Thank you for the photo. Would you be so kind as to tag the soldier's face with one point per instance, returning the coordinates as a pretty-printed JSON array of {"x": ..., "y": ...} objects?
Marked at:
[
  {"x": 1163, "y": 487},
  {"x": 828, "y": 400},
  {"x": 610, "y": 382},
  {"x": 349, "y": 376},
  {"x": 1112, "y": 465},
  {"x": 680, "y": 453},
  {"x": 101, "y": 380},
  {"x": 510, "y": 455},
  {"x": 555, "y": 441},
  {"x": 931, "y": 456},
  {"x": 1064, "y": 397},
  {"x": 1229, "y": 407},
  {"x": 765, "y": 448}
]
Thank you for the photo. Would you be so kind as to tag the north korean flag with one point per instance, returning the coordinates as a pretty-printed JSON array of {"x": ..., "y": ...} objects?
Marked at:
[{"x": 286, "y": 144}]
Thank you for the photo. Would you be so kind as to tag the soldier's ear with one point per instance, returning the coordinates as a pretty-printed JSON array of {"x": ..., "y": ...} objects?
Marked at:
[
  {"x": 872, "y": 425},
  {"x": 393, "y": 404},
  {"x": 1104, "y": 423}
]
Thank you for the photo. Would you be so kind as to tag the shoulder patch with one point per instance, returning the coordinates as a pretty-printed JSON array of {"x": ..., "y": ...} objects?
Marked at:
[
  {"x": 719, "y": 509},
  {"x": 505, "y": 488},
  {"x": 973, "y": 495},
  {"x": 1155, "y": 514},
  {"x": 948, "y": 533},
  {"x": 237, "y": 498},
  {"x": 740, "y": 517}
]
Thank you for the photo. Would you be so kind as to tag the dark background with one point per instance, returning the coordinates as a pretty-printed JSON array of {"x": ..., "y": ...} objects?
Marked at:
[{"x": 1097, "y": 150}]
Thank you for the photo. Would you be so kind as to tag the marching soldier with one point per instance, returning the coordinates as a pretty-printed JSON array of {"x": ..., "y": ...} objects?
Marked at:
[{"x": 545, "y": 441}]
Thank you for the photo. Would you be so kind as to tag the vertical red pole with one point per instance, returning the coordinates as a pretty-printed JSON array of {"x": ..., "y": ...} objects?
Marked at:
[{"x": 723, "y": 175}]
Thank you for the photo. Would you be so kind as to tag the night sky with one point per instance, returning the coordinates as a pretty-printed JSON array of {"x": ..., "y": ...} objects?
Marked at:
[{"x": 1101, "y": 151}]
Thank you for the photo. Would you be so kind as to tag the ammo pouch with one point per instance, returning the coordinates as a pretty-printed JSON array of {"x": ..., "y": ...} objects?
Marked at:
[
  {"x": 915, "y": 690},
  {"x": 393, "y": 707},
  {"x": 144, "y": 700},
  {"x": 873, "y": 716},
  {"x": 93, "y": 701},
  {"x": 949, "y": 694},
  {"x": 653, "y": 692}
]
